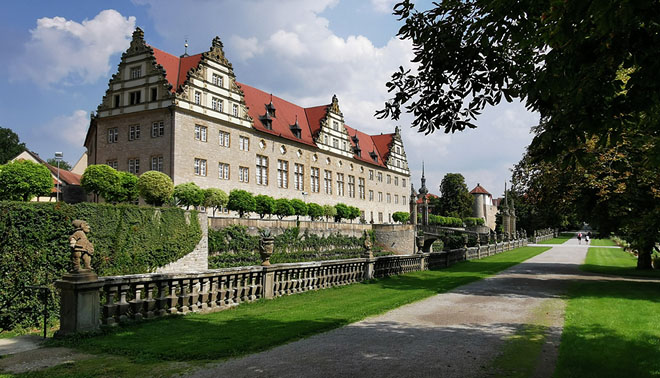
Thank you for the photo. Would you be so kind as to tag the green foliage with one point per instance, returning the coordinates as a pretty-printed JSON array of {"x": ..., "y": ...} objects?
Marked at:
[
  {"x": 63, "y": 164},
  {"x": 264, "y": 205},
  {"x": 315, "y": 211},
  {"x": 231, "y": 239},
  {"x": 283, "y": 208},
  {"x": 341, "y": 212},
  {"x": 241, "y": 201},
  {"x": 23, "y": 180},
  {"x": 329, "y": 211},
  {"x": 401, "y": 217},
  {"x": 127, "y": 190},
  {"x": 155, "y": 187},
  {"x": 455, "y": 200},
  {"x": 299, "y": 207},
  {"x": 127, "y": 239},
  {"x": 10, "y": 145},
  {"x": 445, "y": 221},
  {"x": 215, "y": 199},
  {"x": 471, "y": 222},
  {"x": 353, "y": 213},
  {"x": 102, "y": 180},
  {"x": 188, "y": 194}
]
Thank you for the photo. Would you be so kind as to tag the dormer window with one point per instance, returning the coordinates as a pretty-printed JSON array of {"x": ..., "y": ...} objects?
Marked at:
[
  {"x": 267, "y": 121},
  {"x": 270, "y": 108},
  {"x": 295, "y": 129},
  {"x": 374, "y": 156}
]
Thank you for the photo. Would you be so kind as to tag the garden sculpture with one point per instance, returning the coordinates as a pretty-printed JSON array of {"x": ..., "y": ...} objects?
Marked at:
[{"x": 82, "y": 247}]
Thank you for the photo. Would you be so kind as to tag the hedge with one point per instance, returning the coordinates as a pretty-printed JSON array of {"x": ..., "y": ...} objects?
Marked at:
[
  {"x": 470, "y": 222},
  {"x": 127, "y": 239}
]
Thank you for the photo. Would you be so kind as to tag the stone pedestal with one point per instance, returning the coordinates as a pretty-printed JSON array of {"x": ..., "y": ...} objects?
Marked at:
[
  {"x": 369, "y": 268},
  {"x": 79, "y": 303},
  {"x": 268, "y": 282}
]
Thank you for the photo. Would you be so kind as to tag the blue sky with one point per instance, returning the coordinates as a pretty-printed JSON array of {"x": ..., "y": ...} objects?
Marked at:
[{"x": 57, "y": 58}]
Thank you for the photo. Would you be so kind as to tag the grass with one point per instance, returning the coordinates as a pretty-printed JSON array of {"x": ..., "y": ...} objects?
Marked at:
[
  {"x": 611, "y": 330},
  {"x": 602, "y": 243},
  {"x": 258, "y": 326},
  {"x": 614, "y": 261}
]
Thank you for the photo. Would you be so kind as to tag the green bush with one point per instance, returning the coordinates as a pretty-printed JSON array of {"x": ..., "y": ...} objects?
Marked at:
[
  {"x": 341, "y": 212},
  {"x": 445, "y": 221},
  {"x": 299, "y": 207},
  {"x": 283, "y": 208},
  {"x": 264, "y": 205},
  {"x": 127, "y": 239},
  {"x": 23, "y": 180},
  {"x": 155, "y": 187},
  {"x": 215, "y": 199},
  {"x": 315, "y": 211},
  {"x": 188, "y": 194},
  {"x": 241, "y": 201},
  {"x": 471, "y": 222},
  {"x": 401, "y": 217}
]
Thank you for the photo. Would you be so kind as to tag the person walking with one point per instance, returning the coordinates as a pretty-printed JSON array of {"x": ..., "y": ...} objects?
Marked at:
[
  {"x": 586, "y": 239},
  {"x": 579, "y": 236}
]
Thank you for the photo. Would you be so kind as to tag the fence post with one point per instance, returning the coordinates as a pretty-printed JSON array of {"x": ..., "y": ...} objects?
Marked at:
[
  {"x": 369, "y": 267},
  {"x": 79, "y": 303},
  {"x": 268, "y": 281}
]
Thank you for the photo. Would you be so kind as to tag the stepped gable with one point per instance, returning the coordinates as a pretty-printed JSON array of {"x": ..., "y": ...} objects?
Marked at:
[
  {"x": 367, "y": 146},
  {"x": 286, "y": 115},
  {"x": 176, "y": 69},
  {"x": 479, "y": 190},
  {"x": 383, "y": 143}
]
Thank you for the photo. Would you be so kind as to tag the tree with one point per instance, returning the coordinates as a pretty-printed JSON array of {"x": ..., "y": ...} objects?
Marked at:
[
  {"x": 127, "y": 190},
  {"x": 329, "y": 211},
  {"x": 22, "y": 180},
  {"x": 299, "y": 208},
  {"x": 353, "y": 213},
  {"x": 342, "y": 212},
  {"x": 10, "y": 145},
  {"x": 401, "y": 217},
  {"x": 455, "y": 200},
  {"x": 215, "y": 198},
  {"x": 283, "y": 208},
  {"x": 265, "y": 205},
  {"x": 102, "y": 180},
  {"x": 241, "y": 201},
  {"x": 188, "y": 194},
  {"x": 63, "y": 164},
  {"x": 315, "y": 211},
  {"x": 561, "y": 58},
  {"x": 155, "y": 187}
]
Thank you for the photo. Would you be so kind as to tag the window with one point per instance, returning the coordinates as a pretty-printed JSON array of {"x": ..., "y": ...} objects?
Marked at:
[
  {"x": 217, "y": 80},
  {"x": 351, "y": 186},
  {"x": 380, "y": 217},
  {"x": 361, "y": 187},
  {"x": 154, "y": 94},
  {"x": 315, "y": 175},
  {"x": 389, "y": 179},
  {"x": 216, "y": 104},
  {"x": 345, "y": 146},
  {"x": 117, "y": 101},
  {"x": 157, "y": 163},
  {"x": 325, "y": 139},
  {"x": 243, "y": 174},
  {"x": 136, "y": 72},
  {"x": 244, "y": 143},
  {"x": 198, "y": 97},
  {"x": 380, "y": 196},
  {"x": 403, "y": 199},
  {"x": 223, "y": 171},
  {"x": 262, "y": 170},
  {"x": 389, "y": 198},
  {"x": 223, "y": 138},
  {"x": 335, "y": 125},
  {"x": 299, "y": 176},
  {"x": 200, "y": 133},
  {"x": 380, "y": 176},
  {"x": 200, "y": 167},
  {"x": 282, "y": 174},
  {"x": 113, "y": 164},
  {"x": 327, "y": 182},
  {"x": 135, "y": 97},
  {"x": 371, "y": 195},
  {"x": 403, "y": 182},
  {"x": 396, "y": 199},
  {"x": 113, "y": 135},
  {"x": 335, "y": 143},
  {"x": 134, "y": 132},
  {"x": 371, "y": 174},
  {"x": 340, "y": 184},
  {"x": 157, "y": 129},
  {"x": 396, "y": 180},
  {"x": 134, "y": 166},
  {"x": 398, "y": 150},
  {"x": 398, "y": 163},
  {"x": 234, "y": 108}
]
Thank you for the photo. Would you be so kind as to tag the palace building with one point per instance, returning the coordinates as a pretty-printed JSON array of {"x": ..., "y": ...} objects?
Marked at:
[{"x": 188, "y": 117}]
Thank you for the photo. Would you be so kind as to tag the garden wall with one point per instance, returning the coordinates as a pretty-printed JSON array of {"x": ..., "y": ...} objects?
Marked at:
[{"x": 278, "y": 226}]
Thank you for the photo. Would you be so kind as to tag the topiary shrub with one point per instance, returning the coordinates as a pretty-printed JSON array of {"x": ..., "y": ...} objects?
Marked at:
[
  {"x": 102, "y": 180},
  {"x": 315, "y": 211},
  {"x": 264, "y": 205},
  {"x": 155, "y": 187},
  {"x": 283, "y": 208},
  {"x": 241, "y": 201},
  {"x": 23, "y": 180},
  {"x": 215, "y": 199},
  {"x": 188, "y": 194},
  {"x": 401, "y": 217}
]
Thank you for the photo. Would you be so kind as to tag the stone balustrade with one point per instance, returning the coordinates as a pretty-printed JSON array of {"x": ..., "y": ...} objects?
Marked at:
[{"x": 143, "y": 296}]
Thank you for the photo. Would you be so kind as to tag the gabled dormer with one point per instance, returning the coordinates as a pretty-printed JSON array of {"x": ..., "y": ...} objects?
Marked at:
[
  {"x": 332, "y": 135},
  {"x": 391, "y": 148}
]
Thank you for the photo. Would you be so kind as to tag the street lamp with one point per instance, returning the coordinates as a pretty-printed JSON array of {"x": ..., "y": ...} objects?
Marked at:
[{"x": 58, "y": 158}]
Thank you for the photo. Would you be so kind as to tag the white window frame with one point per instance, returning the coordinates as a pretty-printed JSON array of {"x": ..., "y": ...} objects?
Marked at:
[
  {"x": 224, "y": 138},
  {"x": 200, "y": 167},
  {"x": 157, "y": 129},
  {"x": 299, "y": 176},
  {"x": 243, "y": 143},
  {"x": 315, "y": 182},
  {"x": 223, "y": 171},
  {"x": 243, "y": 174},
  {"x": 262, "y": 170},
  {"x": 200, "y": 133}
]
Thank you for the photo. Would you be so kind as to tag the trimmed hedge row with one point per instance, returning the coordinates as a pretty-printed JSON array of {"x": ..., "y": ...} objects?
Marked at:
[{"x": 127, "y": 239}]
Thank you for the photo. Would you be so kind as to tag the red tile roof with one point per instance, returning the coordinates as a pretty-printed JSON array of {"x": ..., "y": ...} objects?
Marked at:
[
  {"x": 479, "y": 190},
  {"x": 428, "y": 195},
  {"x": 286, "y": 113},
  {"x": 66, "y": 177}
]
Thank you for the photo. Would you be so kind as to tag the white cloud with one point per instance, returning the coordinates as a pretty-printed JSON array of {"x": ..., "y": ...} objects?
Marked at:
[
  {"x": 383, "y": 6},
  {"x": 69, "y": 129},
  {"x": 246, "y": 47},
  {"x": 65, "y": 51}
]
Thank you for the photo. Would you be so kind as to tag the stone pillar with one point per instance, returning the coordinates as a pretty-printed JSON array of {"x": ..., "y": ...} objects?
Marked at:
[
  {"x": 268, "y": 281},
  {"x": 369, "y": 268},
  {"x": 79, "y": 303},
  {"x": 425, "y": 209}
]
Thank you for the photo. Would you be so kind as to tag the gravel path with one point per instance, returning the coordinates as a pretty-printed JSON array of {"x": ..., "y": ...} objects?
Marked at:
[{"x": 456, "y": 334}]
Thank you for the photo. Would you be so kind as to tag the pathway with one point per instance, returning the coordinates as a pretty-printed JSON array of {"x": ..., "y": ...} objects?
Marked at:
[{"x": 456, "y": 334}]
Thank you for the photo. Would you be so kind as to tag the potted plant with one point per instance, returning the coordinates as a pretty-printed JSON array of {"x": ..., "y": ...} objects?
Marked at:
[{"x": 266, "y": 246}]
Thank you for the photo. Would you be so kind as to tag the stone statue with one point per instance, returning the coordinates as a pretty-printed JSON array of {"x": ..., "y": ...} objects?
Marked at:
[
  {"x": 82, "y": 248},
  {"x": 367, "y": 253}
]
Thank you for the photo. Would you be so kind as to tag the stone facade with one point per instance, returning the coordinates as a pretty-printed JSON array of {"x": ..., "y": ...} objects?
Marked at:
[
  {"x": 483, "y": 207},
  {"x": 189, "y": 118},
  {"x": 397, "y": 238}
]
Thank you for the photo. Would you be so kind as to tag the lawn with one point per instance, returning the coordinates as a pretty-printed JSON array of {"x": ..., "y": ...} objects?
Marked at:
[
  {"x": 189, "y": 340},
  {"x": 562, "y": 238},
  {"x": 602, "y": 243},
  {"x": 614, "y": 261}
]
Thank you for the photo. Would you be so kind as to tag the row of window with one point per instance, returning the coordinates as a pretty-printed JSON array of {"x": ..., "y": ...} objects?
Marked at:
[
  {"x": 134, "y": 164},
  {"x": 379, "y": 178},
  {"x": 157, "y": 130},
  {"x": 217, "y": 104},
  {"x": 135, "y": 97}
]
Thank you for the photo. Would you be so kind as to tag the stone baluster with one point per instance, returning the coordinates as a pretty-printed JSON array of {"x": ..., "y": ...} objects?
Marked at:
[
  {"x": 193, "y": 295},
  {"x": 137, "y": 304},
  {"x": 162, "y": 301},
  {"x": 150, "y": 302},
  {"x": 173, "y": 298},
  {"x": 123, "y": 305},
  {"x": 110, "y": 307}
]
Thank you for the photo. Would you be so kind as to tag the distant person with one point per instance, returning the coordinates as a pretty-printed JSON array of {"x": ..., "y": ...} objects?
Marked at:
[
  {"x": 579, "y": 236},
  {"x": 589, "y": 234},
  {"x": 586, "y": 238}
]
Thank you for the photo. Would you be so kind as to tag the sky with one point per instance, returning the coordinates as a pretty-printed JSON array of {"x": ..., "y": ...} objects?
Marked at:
[{"x": 57, "y": 58}]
